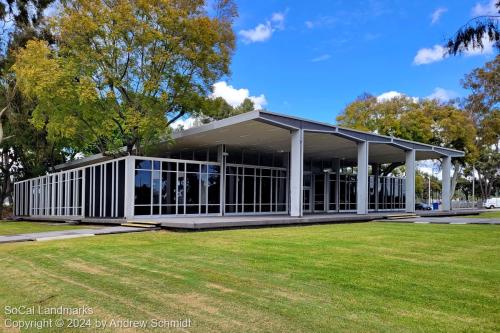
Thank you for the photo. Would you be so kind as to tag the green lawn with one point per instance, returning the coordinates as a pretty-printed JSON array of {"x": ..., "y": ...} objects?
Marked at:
[
  {"x": 365, "y": 277},
  {"x": 493, "y": 214},
  {"x": 21, "y": 227}
]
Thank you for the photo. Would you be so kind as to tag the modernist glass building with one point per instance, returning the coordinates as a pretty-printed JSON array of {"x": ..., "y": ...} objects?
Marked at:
[{"x": 255, "y": 163}]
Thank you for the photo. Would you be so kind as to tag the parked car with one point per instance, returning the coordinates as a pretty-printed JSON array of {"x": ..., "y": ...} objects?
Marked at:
[
  {"x": 492, "y": 203},
  {"x": 422, "y": 206}
]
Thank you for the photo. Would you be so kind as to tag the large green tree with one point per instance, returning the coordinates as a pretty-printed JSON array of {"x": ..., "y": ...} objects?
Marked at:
[
  {"x": 426, "y": 121},
  {"x": 122, "y": 71},
  {"x": 24, "y": 150},
  {"x": 483, "y": 105}
]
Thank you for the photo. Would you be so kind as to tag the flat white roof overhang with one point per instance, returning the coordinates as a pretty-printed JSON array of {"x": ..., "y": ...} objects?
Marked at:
[
  {"x": 270, "y": 132},
  {"x": 266, "y": 131}
]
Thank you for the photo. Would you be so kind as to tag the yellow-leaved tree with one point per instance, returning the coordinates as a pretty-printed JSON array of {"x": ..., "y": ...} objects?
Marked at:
[{"x": 121, "y": 71}]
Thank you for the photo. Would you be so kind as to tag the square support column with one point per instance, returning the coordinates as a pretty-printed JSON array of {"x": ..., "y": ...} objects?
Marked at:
[
  {"x": 376, "y": 176},
  {"x": 296, "y": 172},
  {"x": 410, "y": 181},
  {"x": 221, "y": 158},
  {"x": 129, "y": 196},
  {"x": 362, "y": 179},
  {"x": 446, "y": 183}
]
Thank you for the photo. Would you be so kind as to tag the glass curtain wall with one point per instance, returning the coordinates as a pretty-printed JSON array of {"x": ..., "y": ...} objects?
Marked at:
[
  {"x": 387, "y": 193},
  {"x": 347, "y": 192},
  {"x": 93, "y": 191},
  {"x": 104, "y": 189},
  {"x": 176, "y": 187},
  {"x": 254, "y": 189},
  {"x": 57, "y": 194},
  {"x": 22, "y": 198}
]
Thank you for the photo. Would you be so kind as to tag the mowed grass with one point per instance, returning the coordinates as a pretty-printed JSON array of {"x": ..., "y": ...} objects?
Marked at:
[
  {"x": 494, "y": 214},
  {"x": 22, "y": 227},
  {"x": 365, "y": 277}
]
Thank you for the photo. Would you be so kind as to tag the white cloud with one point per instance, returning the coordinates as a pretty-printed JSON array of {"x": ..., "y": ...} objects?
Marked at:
[
  {"x": 437, "y": 52},
  {"x": 485, "y": 9},
  {"x": 322, "y": 57},
  {"x": 309, "y": 24},
  {"x": 264, "y": 31},
  {"x": 260, "y": 33},
  {"x": 235, "y": 97},
  {"x": 428, "y": 56},
  {"x": 388, "y": 95},
  {"x": 436, "y": 15},
  {"x": 278, "y": 20},
  {"x": 184, "y": 123},
  {"x": 442, "y": 95},
  {"x": 487, "y": 48}
]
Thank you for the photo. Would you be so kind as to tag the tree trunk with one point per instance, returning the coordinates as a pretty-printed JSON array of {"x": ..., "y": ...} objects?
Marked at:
[
  {"x": 454, "y": 179},
  {"x": 387, "y": 170}
]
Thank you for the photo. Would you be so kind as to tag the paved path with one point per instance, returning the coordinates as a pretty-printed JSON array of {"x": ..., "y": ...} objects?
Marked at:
[
  {"x": 75, "y": 233},
  {"x": 447, "y": 220}
]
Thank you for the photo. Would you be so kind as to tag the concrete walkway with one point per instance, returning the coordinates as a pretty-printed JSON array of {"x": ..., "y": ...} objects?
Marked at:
[
  {"x": 65, "y": 234},
  {"x": 446, "y": 220}
]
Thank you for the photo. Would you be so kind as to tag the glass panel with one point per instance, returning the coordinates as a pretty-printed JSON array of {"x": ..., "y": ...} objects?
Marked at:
[
  {"x": 143, "y": 164},
  {"x": 249, "y": 190},
  {"x": 192, "y": 209},
  {"x": 203, "y": 189},
  {"x": 142, "y": 210},
  {"x": 168, "y": 188},
  {"x": 230, "y": 189},
  {"x": 319, "y": 192},
  {"x": 142, "y": 187},
  {"x": 167, "y": 210},
  {"x": 180, "y": 192},
  {"x": 213, "y": 169},
  {"x": 192, "y": 188},
  {"x": 307, "y": 180},
  {"x": 169, "y": 166},
  {"x": 213, "y": 209},
  {"x": 213, "y": 188},
  {"x": 193, "y": 167},
  {"x": 156, "y": 187},
  {"x": 266, "y": 191}
]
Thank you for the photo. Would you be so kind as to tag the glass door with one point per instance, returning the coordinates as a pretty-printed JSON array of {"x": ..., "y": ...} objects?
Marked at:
[
  {"x": 319, "y": 193},
  {"x": 332, "y": 192},
  {"x": 307, "y": 188}
]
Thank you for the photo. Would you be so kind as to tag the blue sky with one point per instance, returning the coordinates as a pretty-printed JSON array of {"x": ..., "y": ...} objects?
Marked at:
[{"x": 311, "y": 58}]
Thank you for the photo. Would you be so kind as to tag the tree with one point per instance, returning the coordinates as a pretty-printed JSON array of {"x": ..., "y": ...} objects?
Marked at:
[
  {"x": 475, "y": 31},
  {"x": 123, "y": 71},
  {"x": 426, "y": 121},
  {"x": 24, "y": 151},
  {"x": 483, "y": 105}
]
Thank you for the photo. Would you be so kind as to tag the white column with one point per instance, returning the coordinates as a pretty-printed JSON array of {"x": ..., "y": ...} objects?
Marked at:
[
  {"x": 362, "y": 179},
  {"x": 296, "y": 172},
  {"x": 221, "y": 158},
  {"x": 410, "y": 181},
  {"x": 129, "y": 187},
  {"x": 446, "y": 183}
]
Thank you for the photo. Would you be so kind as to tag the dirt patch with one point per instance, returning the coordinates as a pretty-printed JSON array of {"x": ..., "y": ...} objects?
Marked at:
[
  {"x": 219, "y": 287},
  {"x": 86, "y": 267},
  {"x": 197, "y": 301}
]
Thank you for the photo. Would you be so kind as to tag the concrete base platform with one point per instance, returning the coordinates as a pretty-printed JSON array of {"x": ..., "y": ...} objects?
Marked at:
[
  {"x": 228, "y": 222},
  {"x": 462, "y": 212},
  {"x": 254, "y": 221}
]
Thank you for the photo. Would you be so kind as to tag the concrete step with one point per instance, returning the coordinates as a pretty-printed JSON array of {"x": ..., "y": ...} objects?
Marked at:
[
  {"x": 400, "y": 216},
  {"x": 139, "y": 225},
  {"x": 145, "y": 222}
]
